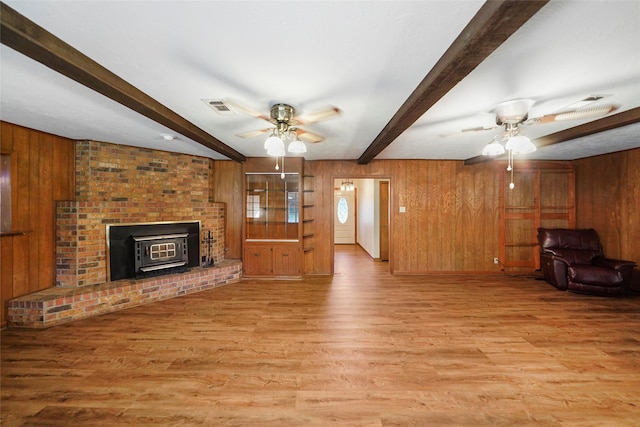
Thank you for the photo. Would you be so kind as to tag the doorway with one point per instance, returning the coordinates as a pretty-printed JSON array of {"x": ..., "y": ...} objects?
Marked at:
[{"x": 361, "y": 217}]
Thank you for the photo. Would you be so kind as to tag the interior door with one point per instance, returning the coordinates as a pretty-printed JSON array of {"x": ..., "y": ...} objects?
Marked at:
[{"x": 344, "y": 231}]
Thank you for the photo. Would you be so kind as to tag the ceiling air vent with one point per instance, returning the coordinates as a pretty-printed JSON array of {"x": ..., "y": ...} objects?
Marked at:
[
  {"x": 584, "y": 102},
  {"x": 219, "y": 106}
]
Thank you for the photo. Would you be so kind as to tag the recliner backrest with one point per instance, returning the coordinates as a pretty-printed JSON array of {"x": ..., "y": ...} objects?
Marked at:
[{"x": 564, "y": 238}]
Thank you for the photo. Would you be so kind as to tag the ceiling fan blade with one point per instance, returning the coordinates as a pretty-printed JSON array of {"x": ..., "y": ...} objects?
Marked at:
[
  {"x": 309, "y": 136},
  {"x": 239, "y": 106},
  {"x": 581, "y": 113},
  {"x": 254, "y": 133},
  {"x": 475, "y": 129},
  {"x": 318, "y": 116}
]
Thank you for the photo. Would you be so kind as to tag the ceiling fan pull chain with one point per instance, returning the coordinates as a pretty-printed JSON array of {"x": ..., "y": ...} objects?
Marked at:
[
  {"x": 510, "y": 168},
  {"x": 282, "y": 173}
]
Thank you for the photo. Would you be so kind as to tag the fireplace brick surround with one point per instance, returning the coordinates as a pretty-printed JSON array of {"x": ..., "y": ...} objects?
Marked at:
[
  {"x": 81, "y": 251},
  {"x": 118, "y": 184}
]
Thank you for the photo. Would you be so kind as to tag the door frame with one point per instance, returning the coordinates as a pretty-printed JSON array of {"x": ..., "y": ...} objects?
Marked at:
[
  {"x": 382, "y": 226},
  {"x": 390, "y": 217}
]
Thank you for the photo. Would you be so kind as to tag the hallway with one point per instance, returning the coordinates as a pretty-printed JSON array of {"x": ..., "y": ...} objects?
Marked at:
[{"x": 352, "y": 260}]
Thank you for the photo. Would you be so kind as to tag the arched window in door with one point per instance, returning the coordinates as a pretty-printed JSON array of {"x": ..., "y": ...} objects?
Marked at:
[{"x": 343, "y": 210}]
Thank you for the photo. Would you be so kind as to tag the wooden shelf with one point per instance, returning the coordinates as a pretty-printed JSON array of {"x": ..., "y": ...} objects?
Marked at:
[
  {"x": 14, "y": 233},
  {"x": 308, "y": 226}
]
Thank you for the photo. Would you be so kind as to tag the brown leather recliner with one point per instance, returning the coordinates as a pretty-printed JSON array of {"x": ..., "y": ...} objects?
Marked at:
[{"x": 572, "y": 260}]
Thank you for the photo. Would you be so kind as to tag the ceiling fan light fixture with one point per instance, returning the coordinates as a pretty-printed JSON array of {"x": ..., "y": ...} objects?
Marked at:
[
  {"x": 520, "y": 144},
  {"x": 297, "y": 147},
  {"x": 272, "y": 140},
  {"x": 493, "y": 149},
  {"x": 276, "y": 147}
]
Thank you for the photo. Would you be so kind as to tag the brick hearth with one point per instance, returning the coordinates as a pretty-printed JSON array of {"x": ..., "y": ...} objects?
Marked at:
[{"x": 58, "y": 305}]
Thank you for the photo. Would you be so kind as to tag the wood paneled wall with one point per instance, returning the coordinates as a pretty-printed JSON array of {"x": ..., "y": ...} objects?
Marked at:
[
  {"x": 451, "y": 223},
  {"x": 608, "y": 200},
  {"x": 43, "y": 173},
  {"x": 452, "y": 218},
  {"x": 226, "y": 186}
]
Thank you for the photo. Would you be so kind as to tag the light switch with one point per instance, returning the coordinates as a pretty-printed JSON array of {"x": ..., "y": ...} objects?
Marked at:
[{"x": 403, "y": 209}]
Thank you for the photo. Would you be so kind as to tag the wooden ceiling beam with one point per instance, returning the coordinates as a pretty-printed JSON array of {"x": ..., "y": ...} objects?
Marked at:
[
  {"x": 614, "y": 121},
  {"x": 28, "y": 38},
  {"x": 494, "y": 23}
]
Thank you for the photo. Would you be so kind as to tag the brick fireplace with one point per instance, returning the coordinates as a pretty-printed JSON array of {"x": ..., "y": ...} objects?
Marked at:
[
  {"x": 118, "y": 184},
  {"x": 81, "y": 240}
]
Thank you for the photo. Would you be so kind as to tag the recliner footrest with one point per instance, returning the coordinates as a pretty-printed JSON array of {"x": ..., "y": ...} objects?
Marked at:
[{"x": 593, "y": 275}]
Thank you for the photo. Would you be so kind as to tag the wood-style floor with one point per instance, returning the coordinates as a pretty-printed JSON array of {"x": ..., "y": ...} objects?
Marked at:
[{"x": 361, "y": 348}]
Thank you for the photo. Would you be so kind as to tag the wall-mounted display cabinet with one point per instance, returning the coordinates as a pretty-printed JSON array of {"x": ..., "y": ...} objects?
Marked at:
[{"x": 273, "y": 205}]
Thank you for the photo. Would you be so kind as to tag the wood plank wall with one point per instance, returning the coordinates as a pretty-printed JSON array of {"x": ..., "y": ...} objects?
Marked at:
[
  {"x": 451, "y": 223},
  {"x": 226, "y": 186},
  {"x": 42, "y": 172},
  {"x": 452, "y": 220},
  {"x": 608, "y": 200}
]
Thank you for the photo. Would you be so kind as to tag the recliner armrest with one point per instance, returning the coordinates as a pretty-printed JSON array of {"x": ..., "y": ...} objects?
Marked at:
[
  {"x": 554, "y": 270},
  {"x": 550, "y": 252},
  {"x": 556, "y": 256},
  {"x": 571, "y": 256},
  {"x": 615, "y": 264}
]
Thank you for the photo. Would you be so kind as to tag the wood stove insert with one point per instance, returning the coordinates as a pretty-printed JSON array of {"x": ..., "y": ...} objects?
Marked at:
[{"x": 140, "y": 250}]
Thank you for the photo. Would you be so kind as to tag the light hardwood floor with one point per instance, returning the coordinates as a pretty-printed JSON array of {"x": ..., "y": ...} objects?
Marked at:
[{"x": 361, "y": 348}]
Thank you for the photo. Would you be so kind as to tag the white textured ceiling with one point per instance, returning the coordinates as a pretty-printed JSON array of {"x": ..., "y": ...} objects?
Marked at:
[{"x": 365, "y": 57}]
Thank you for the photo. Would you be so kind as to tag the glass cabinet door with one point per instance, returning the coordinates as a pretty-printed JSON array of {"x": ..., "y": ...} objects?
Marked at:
[{"x": 272, "y": 206}]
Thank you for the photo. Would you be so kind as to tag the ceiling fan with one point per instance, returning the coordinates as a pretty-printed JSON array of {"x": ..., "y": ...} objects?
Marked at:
[
  {"x": 286, "y": 122},
  {"x": 512, "y": 114}
]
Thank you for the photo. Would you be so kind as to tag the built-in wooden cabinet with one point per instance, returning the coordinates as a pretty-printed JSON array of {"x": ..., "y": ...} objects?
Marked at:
[
  {"x": 272, "y": 259},
  {"x": 543, "y": 196},
  {"x": 287, "y": 260},
  {"x": 273, "y": 219}
]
